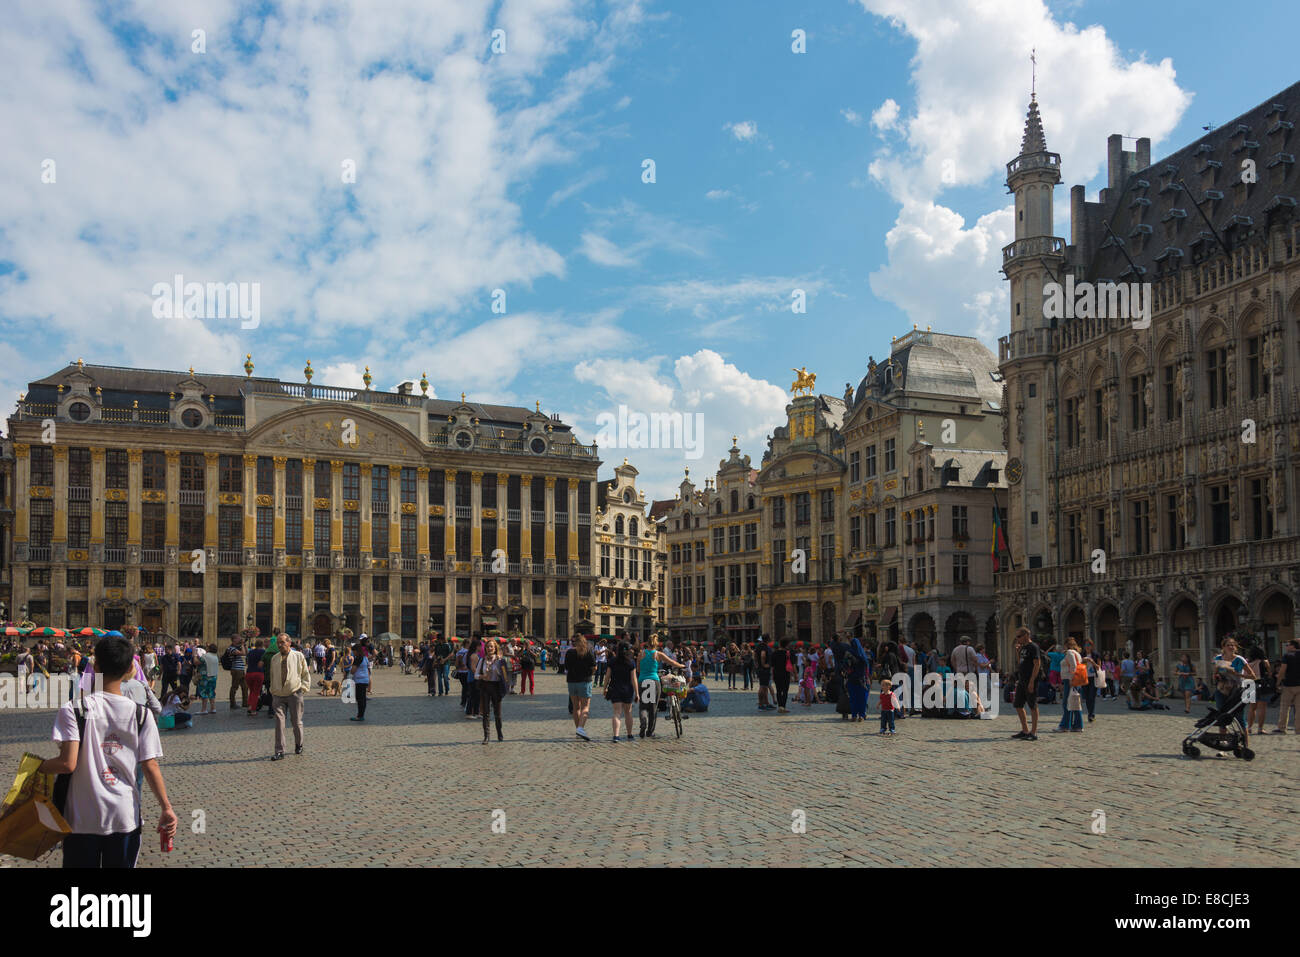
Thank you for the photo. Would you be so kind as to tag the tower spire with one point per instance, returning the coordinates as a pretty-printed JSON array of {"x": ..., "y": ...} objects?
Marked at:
[
  {"x": 1033, "y": 75},
  {"x": 1034, "y": 140}
]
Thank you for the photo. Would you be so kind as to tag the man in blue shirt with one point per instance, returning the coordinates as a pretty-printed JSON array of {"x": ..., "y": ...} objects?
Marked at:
[{"x": 697, "y": 699}]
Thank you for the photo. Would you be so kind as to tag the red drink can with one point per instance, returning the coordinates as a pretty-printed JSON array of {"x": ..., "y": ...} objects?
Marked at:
[{"x": 166, "y": 840}]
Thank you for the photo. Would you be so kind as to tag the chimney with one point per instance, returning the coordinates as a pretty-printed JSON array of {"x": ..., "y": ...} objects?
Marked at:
[
  {"x": 1114, "y": 161},
  {"x": 1144, "y": 152},
  {"x": 1079, "y": 222}
]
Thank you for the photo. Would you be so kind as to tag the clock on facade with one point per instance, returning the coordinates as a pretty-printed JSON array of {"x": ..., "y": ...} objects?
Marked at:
[{"x": 1015, "y": 471}]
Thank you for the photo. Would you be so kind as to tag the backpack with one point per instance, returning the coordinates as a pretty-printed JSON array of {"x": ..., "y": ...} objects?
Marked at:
[
  {"x": 226, "y": 658},
  {"x": 61, "y": 783}
]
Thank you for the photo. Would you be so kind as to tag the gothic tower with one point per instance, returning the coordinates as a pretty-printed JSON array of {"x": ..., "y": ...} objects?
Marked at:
[{"x": 1035, "y": 259}]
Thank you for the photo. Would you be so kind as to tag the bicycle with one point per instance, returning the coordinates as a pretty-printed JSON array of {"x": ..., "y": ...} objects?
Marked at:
[{"x": 674, "y": 686}]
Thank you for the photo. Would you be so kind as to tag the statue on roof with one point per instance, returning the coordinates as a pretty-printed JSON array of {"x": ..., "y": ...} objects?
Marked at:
[{"x": 805, "y": 382}]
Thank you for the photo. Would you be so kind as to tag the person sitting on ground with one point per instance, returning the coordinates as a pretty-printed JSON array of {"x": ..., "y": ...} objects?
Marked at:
[
  {"x": 1143, "y": 697},
  {"x": 697, "y": 699}
]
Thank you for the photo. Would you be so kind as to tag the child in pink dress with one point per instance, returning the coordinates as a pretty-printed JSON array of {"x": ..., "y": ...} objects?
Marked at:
[{"x": 809, "y": 682}]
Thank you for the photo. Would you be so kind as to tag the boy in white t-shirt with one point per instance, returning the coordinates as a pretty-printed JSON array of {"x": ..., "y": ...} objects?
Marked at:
[{"x": 103, "y": 807}]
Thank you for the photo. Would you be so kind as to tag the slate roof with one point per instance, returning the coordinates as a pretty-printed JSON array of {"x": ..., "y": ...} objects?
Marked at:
[
  {"x": 1150, "y": 199},
  {"x": 935, "y": 363}
]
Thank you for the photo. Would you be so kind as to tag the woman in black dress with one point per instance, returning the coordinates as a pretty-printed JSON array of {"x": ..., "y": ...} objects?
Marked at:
[{"x": 620, "y": 688}]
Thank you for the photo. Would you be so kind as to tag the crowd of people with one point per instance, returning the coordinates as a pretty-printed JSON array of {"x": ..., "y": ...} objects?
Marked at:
[{"x": 124, "y": 679}]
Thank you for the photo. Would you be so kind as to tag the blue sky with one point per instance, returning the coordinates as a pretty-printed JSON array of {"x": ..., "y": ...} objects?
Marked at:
[{"x": 867, "y": 172}]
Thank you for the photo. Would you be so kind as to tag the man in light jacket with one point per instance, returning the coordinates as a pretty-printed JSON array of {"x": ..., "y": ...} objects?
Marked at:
[{"x": 289, "y": 678}]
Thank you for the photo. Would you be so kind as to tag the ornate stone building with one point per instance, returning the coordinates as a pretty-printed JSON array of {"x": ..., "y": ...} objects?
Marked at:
[
  {"x": 194, "y": 504},
  {"x": 1153, "y": 457},
  {"x": 711, "y": 540},
  {"x": 624, "y": 543},
  {"x": 923, "y": 471},
  {"x": 801, "y": 487}
]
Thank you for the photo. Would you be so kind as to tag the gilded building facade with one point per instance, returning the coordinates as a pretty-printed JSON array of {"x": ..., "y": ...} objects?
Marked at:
[
  {"x": 1153, "y": 458},
  {"x": 195, "y": 504},
  {"x": 625, "y": 546}
]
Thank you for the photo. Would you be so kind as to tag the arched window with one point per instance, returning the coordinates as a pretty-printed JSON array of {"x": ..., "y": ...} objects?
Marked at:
[
  {"x": 750, "y": 503},
  {"x": 618, "y": 525},
  {"x": 1215, "y": 351},
  {"x": 717, "y": 508},
  {"x": 1171, "y": 398},
  {"x": 735, "y": 500},
  {"x": 632, "y": 527}
]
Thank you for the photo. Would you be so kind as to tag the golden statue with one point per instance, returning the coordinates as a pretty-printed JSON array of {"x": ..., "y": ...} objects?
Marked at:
[{"x": 805, "y": 383}]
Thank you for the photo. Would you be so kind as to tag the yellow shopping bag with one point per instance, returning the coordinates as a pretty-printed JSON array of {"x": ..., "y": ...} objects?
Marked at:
[{"x": 29, "y": 822}]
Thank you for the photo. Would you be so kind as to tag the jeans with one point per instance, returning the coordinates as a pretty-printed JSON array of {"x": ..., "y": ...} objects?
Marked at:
[
  {"x": 101, "y": 850},
  {"x": 361, "y": 689},
  {"x": 731, "y": 679},
  {"x": 1070, "y": 720},
  {"x": 886, "y": 720},
  {"x": 717, "y": 671},
  {"x": 526, "y": 678},
  {"x": 490, "y": 700},
  {"x": 1090, "y": 698},
  {"x": 444, "y": 679},
  {"x": 749, "y": 676},
  {"x": 600, "y": 673},
  {"x": 463, "y": 678}
]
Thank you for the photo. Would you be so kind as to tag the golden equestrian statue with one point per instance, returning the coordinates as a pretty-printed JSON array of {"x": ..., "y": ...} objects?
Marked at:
[{"x": 805, "y": 383}]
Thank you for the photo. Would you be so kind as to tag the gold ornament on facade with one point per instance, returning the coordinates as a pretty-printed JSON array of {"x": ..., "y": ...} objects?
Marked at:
[
  {"x": 449, "y": 475},
  {"x": 804, "y": 383},
  {"x": 437, "y": 509},
  {"x": 78, "y": 555},
  {"x": 351, "y": 505},
  {"x": 280, "y": 462},
  {"x": 60, "y": 453},
  {"x": 550, "y": 481},
  {"x": 40, "y": 491},
  {"x": 408, "y": 508},
  {"x": 153, "y": 495},
  {"x": 476, "y": 477},
  {"x": 336, "y": 466},
  {"x": 422, "y": 472},
  {"x": 489, "y": 513},
  {"x": 265, "y": 501},
  {"x": 115, "y": 495},
  {"x": 322, "y": 503}
]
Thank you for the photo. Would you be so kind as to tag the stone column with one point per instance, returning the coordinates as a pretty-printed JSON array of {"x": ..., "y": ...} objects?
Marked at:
[
  {"x": 308, "y": 521},
  {"x": 367, "y": 503},
  {"x": 449, "y": 547}
]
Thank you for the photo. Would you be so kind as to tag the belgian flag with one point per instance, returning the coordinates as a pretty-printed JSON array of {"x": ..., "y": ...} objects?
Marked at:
[{"x": 999, "y": 542}]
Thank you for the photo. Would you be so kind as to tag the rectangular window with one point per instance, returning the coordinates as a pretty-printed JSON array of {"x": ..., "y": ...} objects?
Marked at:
[
  {"x": 1074, "y": 537},
  {"x": 961, "y": 569},
  {"x": 891, "y": 533},
  {"x": 230, "y": 473},
  {"x": 265, "y": 530},
  {"x": 733, "y": 580},
  {"x": 320, "y": 530},
  {"x": 193, "y": 472},
  {"x": 265, "y": 475},
  {"x": 1220, "y": 516},
  {"x": 1256, "y": 374},
  {"x": 116, "y": 469},
  {"x": 379, "y": 525},
  {"x": 1099, "y": 415},
  {"x": 1261, "y": 512},
  {"x": 751, "y": 537},
  {"x": 1072, "y": 422},
  {"x": 699, "y": 552},
  {"x": 1176, "y": 536},
  {"x": 1140, "y": 510},
  {"x": 828, "y": 505},
  {"x": 153, "y": 525},
  {"x": 323, "y": 480},
  {"x": 804, "y": 545},
  {"x": 719, "y": 582},
  {"x": 1100, "y": 539},
  {"x": 1216, "y": 371},
  {"x": 855, "y": 532},
  {"x": 351, "y": 481},
  {"x": 891, "y": 579},
  {"x": 116, "y": 517},
  {"x": 733, "y": 538},
  {"x": 293, "y": 477},
  {"x": 1137, "y": 390},
  {"x": 826, "y": 559},
  {"x": 409, "y": 486},
  {"x": 191, "y": 524},
  {"x": 293, "y": 530},
  {"x": 718, "y": 548},
  {"x": 960, "y": 522},
  {"x": 153, "y": 470},
  {"x": 79, "y": 468},
  {"x": 409, "y": 544},
  {"x": 778, "y": 511},
  {"x": 700, "y": 596},
  {"x": 352, "y": 533},
  {"x": 802, "y": 508},
  {"x": 890, "y": 463},
  {"x": 379, "y": 484},
  {"x": 1173, "y": 401},
  {"x": 855, "y": 466},
  {"x": 779, "y": 558}
]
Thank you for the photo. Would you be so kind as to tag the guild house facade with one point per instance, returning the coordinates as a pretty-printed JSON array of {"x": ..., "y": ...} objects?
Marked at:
[
  {"x": 1153, "y": 455},
  {"x": 196, "y": 504}
]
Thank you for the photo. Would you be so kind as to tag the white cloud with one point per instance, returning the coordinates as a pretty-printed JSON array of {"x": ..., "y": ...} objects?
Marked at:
[
  {"x": 430, "y": 223},
  {"x": 717, "y": 194},
  {"x": 731, "y": 402},
  {"x": 972, "y": 129},
  {"x": 745, "y": 131},
  {"x": 703, "y": 297},
  {"x": 853, "y": 117},
  {"x": 603, "y": 252},
  {"x": 885, "y": 116}
]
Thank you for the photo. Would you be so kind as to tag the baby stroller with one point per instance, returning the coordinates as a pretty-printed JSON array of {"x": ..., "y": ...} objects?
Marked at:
[{"x": 1233, "y": 739}]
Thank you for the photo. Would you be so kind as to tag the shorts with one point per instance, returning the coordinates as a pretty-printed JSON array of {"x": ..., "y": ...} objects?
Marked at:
[
  {"x": 764, "y": 677},
  {"x": 1024, "y": 698},
  {"x": 208, "y": 687},
  {"x": 580, "y": 689}
]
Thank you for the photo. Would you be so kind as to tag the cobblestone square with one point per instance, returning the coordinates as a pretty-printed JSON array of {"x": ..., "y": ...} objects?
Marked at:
[{"x": 413, "y": 785}]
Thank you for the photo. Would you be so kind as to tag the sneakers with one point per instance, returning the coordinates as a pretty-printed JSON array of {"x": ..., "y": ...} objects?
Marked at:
[
  {"x": 1020, "y": 735},
  {"x": 278, "y": 756},
  {"x": 617, "y": 739},
  {"x": 1031, "y": 737},
  {"x": 629, "y": 737},
  {"x": 582, "y": 733},
  {"x": 298, "y": 749}
]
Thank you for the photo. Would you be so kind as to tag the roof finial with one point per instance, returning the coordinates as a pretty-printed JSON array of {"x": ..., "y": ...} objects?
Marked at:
[{"x": 1033, "y": 81}]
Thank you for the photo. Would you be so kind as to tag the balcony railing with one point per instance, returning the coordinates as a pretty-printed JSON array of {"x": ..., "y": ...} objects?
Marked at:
[
  {"x": 78, "y": 493},
  {"x": 539, "y": 516},
  {"x": 513, "y": 515},
  {"x": 464, "y": 511},
  {"x": 38, "y": 553},
  {"x": 152, "y": 556},
  {"x": 191, "y": 496},
  {"x": 115, "y": 556},
  {"x": 230, "y": 556},
  {"x": 351, "y": 561}
]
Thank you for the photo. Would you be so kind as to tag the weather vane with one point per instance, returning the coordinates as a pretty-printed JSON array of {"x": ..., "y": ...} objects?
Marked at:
[{"x": 1033, "y": 73}]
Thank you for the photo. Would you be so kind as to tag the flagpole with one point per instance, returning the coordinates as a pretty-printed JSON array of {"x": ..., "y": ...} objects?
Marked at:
[{"x": 997, "y": 525}]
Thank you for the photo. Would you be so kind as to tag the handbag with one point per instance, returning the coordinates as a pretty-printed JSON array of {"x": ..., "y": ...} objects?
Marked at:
[{"x": 30, "y": 824}]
